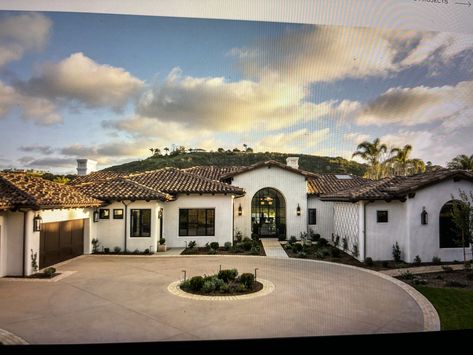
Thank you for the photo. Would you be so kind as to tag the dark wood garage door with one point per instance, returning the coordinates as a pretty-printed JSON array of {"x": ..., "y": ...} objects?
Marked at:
[{"x": 60, "y": 241}]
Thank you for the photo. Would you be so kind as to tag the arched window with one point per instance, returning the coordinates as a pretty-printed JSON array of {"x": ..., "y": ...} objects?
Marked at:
[
  {"x": 449, "y": 234},
  {"x": 268, "y": 213}
]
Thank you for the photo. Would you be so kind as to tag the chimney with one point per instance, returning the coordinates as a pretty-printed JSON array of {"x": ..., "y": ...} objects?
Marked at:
[
  {"x": 293, "y": 162},
  {"x": 86, "y": 166}
]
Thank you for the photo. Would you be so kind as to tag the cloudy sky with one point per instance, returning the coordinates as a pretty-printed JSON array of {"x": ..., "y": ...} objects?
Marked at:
[{"x": 109, "y": 87}]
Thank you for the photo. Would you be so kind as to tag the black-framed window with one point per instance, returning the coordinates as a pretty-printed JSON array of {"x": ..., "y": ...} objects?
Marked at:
[
  {"x": 104, "y": 213},
  {"x": 196, "y": 222},
  {"x": 312, "y": 215},
  {"x": 140, "y": 223},
  {"x": 118, "y": 213},
  {"x": 382, "y": 216}
]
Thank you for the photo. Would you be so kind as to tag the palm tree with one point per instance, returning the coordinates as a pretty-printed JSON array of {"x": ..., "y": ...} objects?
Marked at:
[
  {"x": 462, "y": 161},
  {"x": 372, "y": 152},
  {"x": 166, "y": 149},
  {"x": 402, "y": 165}
]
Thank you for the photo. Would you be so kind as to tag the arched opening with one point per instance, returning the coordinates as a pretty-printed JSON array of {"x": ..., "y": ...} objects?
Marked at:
[
  {"x": 268, "y": 213},
  {"x": 449, "y": 234}
]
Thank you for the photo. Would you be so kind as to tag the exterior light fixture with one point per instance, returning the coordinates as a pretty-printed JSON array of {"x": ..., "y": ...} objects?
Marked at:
[
  {"x": 240, "y": 211},
  {"x": 96, "y": 216},
  {"x": 298, "y": 210},
  {"x": 160, "y": 213},
  {"x": 37, "y": 220},
  {"x": 424, "y": 216}
]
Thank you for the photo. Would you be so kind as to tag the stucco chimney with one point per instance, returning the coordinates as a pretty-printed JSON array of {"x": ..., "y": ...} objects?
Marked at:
[
  {"x": 86, "y": 166},
  {"x": 293, "y": 162}
]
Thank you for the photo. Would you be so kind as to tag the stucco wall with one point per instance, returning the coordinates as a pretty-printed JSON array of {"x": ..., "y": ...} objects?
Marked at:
[
  {"x": 347, "y": 224},
  {"x": 325, "y": 217},
  {"x": 424, "y": 239},
  {"x": 380, "y": 237},
  {"x": 13, "y": 239},
  {"x": 223, "y": 205},
  {"x": 111, "y": 232},
  {"x": 3, "y": 245},
  {"x": 291, "y": 185}
]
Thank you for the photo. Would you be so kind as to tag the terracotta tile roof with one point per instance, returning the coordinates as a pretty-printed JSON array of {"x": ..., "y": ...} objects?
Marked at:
[
  {"x": 98, "y": 176},
  {"x": 121, "y": 189},
  {"x": 268, "y": 163},
  {"x": 212, "y": 172},
  {"x": 396, "y": 187},
  {"x": 172, "y": 181},
  {"x": 22, "y": 190},
  {"x": 329, "y": 183}
]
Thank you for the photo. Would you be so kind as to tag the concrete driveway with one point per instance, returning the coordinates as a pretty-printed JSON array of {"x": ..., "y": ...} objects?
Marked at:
[{"x": 125, "y": 299}]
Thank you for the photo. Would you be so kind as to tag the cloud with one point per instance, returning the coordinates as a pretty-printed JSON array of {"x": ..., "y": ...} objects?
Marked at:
[
  {"x": 213, "y": 103},
  {"x": 329, "y": 53},
  {"x": 292, "y": 142},
  {"x": 413, "y": 106},
  {"x": 21, "y": 34},
  {"x": 443, "y": 46},
  {"x": 47, "y": 163},
  {"x": 356, "y": 137},
  {"x": 39, "y": 110},
  {"x": 80, "y": 79},
  {"x": 43, "y": 149}
]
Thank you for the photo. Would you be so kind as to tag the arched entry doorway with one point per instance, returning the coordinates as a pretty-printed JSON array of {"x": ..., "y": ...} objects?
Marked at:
[
  {"x": 268, "y": 213},
  {"x": 449, "y": 235}
]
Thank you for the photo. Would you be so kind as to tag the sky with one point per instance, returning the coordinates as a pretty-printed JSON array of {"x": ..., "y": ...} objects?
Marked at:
[{"x": 110, "y": 87}]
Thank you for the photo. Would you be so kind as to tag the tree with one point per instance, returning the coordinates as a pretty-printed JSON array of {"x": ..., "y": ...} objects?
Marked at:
[
  {"x": 249, "y": 150},
  {"x": 402, "y": 165},
  {"x": 462, "y": 161},
  {"x": 462, "y": 217},
  {"x": 372, "y": 152},
  {"x": 61, "y": 179},
  {"x": 166, "y": 149},
  {"x": 221, "y": 150}
]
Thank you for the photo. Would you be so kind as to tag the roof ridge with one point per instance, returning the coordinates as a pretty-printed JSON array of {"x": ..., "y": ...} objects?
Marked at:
[
  {"x": 24, "y": 194},
  {"x": 169, "y": 196}
]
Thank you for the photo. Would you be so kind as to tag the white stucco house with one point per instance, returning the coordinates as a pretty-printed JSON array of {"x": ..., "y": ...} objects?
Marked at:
[{"x": 133, "y": 211}]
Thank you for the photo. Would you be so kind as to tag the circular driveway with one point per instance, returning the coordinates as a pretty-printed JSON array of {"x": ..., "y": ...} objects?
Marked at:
[{"x": 125, "y": 299}]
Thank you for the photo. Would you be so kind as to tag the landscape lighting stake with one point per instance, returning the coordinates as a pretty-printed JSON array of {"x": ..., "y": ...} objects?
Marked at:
[
  {"x": 255, "y": 272},
  {"x": 184, "y": 271},
  {"x": 220, "y": 268}
]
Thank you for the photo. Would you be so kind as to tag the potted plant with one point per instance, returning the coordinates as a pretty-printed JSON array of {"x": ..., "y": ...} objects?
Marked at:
[{"x": 162, "y": 244}]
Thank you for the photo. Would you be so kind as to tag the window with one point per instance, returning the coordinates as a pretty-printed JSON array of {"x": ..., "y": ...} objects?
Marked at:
[
  {"x": 118, "y": 213},
  {"x": 312, "y": 216},
  {"x": 104, "y": 213},
  {"x": 197, "y": 222},
  {"x": 382, "y": 216},
  {"x": 140, "y": 223}
]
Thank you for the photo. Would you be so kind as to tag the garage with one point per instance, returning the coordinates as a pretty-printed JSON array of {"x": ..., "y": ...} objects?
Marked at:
[{"x": 60, "y": 241}]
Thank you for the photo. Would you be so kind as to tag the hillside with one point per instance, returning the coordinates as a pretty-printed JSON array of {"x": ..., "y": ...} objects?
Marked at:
[{"x": 186, "y": 160}]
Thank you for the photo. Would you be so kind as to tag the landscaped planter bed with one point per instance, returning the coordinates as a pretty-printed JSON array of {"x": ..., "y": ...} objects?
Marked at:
[
  {"x": 445, "y": 279},
  {"x": 245, "y": 247}
]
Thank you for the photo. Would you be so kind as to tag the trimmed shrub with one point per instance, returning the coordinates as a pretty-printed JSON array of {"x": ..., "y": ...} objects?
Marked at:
[
  {"x": 212, "y": 251},
  {"x": 247, "y": 279},
  {"x": 297, "y": 248},
  {"x": 162, "y": 241},
  {"x": 302, "y": 254},
  {"x": 356, "y": 252},
  {"x": 147, "y": 251},
  {"x": 49, "y": 272},
  {"x": 185, "y": 284},
  {"x": 95, "y": 245},
  {"x": 322, "y": 242},
  {"x": 208, "y": 286},
  {"x": 369, "y": 261},
  {"x": 117, "y": 249},
  {"x": 214, "y": 245},
  {"x": 406, "y": 275},
  {"x": 247, "y": 244},
  {"x": 447, "y": 269},
  {"x": 136, "y": 251},
  {"x": 196, "y": 283},
  {"x": 225, "y": 288},
  {"x": 192, "y": 244},
  {"x": 292, "y": 240},
  {"x": 241, "y": 288},
  {"x": 255, "y": 250},
  {"x": 238, "y": 236},
  {"x": 315, "y": 237},
  {"x": 281, "y": 238},
  {"x": 396, "y": 252},
  {"x": 228, "y": 274},
  {"x": 417, "y": 260},
  {"x": 236, "y": 249},
  {"x": 418, "y": 281},
  {"x": 385, "y": 263},
  {"x": 335, "y": 252},
  {"x": 436, "y": 260}
]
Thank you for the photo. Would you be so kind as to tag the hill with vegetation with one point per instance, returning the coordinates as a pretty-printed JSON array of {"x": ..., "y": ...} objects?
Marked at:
[{"x": 181, "y": 160}]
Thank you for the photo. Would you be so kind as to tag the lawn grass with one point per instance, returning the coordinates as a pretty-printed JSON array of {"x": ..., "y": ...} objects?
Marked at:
[{"x": 454, "y": 306}]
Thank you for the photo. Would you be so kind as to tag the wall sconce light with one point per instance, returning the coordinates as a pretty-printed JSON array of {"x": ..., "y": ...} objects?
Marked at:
[
  {"x": 37, "y": 220},
  {"x": 298, "y": 210},
  {"x": 160, "y": 213},
  {"x": 240, "y": 211},
  {"x": 96, "y": 216},
  {"x": 424, "y": 216}
]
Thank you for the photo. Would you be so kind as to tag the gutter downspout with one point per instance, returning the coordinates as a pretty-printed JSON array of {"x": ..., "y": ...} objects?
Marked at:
[
  {"x": 364, "y": 228},
  {"x": 24, "y": 242},
  {"x": 126, "y": 219}
]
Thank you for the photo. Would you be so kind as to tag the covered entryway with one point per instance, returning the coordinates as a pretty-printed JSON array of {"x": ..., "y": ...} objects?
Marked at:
[
  {"x": 268, "y": 213},
  {"x": 449, "y": 234},
  {"x": 60, "y": 241}
]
